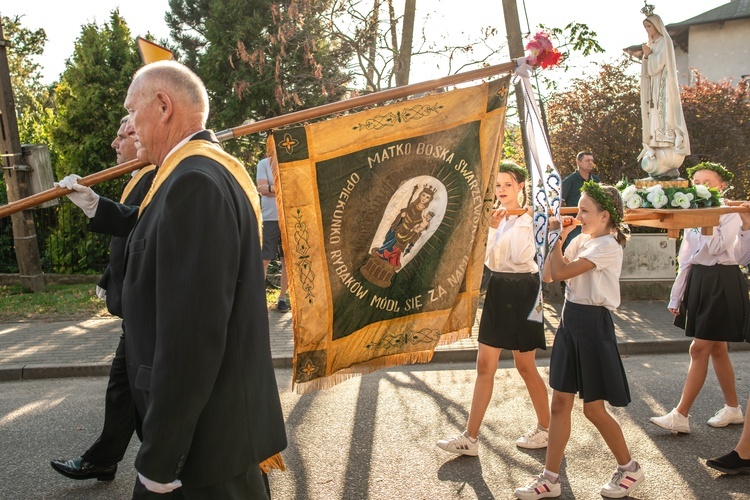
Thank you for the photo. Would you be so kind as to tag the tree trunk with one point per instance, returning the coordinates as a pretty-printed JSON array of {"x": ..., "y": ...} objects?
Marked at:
[
  {"x": 407, "y": 35},
  {"x": 373, "y": 44},
  {"x": 18, "y": 182}
]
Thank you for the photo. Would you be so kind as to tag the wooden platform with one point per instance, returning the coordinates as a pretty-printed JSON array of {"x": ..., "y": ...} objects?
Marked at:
[
  {"x": 671, "y": 219},
  {"x": 675, "y": 219}
]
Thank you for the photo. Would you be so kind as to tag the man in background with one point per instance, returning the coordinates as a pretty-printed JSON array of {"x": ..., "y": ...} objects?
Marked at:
[
  {"x": 571, "y": 186},
  {"x": 272, "y": 248}
]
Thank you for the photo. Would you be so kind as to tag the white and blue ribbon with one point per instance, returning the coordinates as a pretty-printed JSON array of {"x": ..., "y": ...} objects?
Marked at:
[{"x": 545, "y": 181}]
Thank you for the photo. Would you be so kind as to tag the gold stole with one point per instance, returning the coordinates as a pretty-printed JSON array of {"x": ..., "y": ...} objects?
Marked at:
[
  {"x": 132, "y": 183},
  {"x": 214, "y": 152}
]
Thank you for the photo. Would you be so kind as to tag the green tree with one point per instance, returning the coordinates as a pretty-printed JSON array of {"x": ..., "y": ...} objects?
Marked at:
[
  {"x": 601, "y": 114},
  {"x": 90, "y": 97},
  {"x": 258, "y": 59},
  {"x": 717, "y": 116},
  {"x": 30, "y": 97},
  {"x": 25, "y": 73},
  {"x": 30, "y": 94}
]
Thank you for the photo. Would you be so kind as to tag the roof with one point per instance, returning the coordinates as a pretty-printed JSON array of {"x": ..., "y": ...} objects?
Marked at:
[
  {"x": 736, "y": 9},
  {"x": 732, "y": 11}
]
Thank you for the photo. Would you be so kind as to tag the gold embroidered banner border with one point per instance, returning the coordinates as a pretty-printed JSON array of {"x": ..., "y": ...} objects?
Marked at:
[{"x": 384, "y": 226}]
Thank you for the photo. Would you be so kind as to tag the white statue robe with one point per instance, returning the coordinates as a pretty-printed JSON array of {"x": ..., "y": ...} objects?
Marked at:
[{"x": 661, "y": 109}]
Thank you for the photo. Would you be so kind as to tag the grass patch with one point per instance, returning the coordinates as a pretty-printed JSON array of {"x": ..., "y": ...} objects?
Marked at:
[
  {"x": 57, "y": 302},
  {"x": 62, "y": 302}
]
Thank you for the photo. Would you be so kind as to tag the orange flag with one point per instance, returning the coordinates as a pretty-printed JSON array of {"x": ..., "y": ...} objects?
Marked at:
[{"x": 151, "y": 52}]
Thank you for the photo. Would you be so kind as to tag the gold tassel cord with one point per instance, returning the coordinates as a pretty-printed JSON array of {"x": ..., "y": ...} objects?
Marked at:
[{"x": 275, "y": 462}]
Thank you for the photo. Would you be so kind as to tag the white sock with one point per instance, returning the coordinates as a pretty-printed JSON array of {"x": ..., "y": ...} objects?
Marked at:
[
  {"x": 551, "y": 476},
  {"x": 473, "y": 440},
  {"x": 631, "y": 466}
]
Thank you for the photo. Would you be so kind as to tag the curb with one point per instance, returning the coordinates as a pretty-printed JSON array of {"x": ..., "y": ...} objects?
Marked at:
[
  {"x": 35, "y": 372},
  {"x": 11, "y": 373}
]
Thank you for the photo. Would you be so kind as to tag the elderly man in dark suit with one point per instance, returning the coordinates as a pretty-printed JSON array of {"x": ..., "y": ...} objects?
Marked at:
[{"x": 198, "y": 348}]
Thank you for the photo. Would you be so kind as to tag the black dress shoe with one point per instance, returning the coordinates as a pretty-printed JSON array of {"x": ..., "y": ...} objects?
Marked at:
[
  {"x": 731, "y": 463},
  {"x": 80, "y": 469}
]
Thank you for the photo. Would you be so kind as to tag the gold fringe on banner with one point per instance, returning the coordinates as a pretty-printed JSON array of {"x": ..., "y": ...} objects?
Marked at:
[
  {"x": 275, "y": 462},
  {"x": 363, "y": 369}
]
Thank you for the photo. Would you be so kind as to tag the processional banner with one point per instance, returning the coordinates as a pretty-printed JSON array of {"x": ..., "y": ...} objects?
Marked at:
[{"x": 384, "y": 218}]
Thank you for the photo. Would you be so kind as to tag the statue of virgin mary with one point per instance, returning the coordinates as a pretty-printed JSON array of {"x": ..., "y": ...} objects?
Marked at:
[{"x": 665, "y": 136}]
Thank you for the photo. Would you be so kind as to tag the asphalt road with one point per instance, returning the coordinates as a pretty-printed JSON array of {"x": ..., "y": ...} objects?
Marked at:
[{"x": 374, "y": 437}]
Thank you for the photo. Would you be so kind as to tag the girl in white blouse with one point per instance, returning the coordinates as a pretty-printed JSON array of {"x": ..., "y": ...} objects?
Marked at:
[
  {"x": 710, "y": 302},
  {"x": 585, "y": 359},
  {"x": 511, "y": 294}
]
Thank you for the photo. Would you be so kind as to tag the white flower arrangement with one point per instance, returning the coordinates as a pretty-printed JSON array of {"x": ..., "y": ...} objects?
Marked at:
[
  {"x": 702, "y": 192},
  {"x": 679, "y": 198},
  {"x": 656, "y": 196},
  {"x": 682, "y": 200}
]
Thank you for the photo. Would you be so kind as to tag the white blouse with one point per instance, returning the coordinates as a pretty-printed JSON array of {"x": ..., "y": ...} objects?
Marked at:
[
  {"x": 742, "y": 248},
  {"x": 601, "y": 285},
  {"x": 510, "y": 247},
  {"x": 717, "y": 248}
]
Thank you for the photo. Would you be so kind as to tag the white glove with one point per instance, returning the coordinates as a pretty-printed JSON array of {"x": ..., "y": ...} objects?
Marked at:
[
  {"x": 101, "y": 292},
  {"x": 155, "y": 487},
  {"x": 82, "y": 196}
]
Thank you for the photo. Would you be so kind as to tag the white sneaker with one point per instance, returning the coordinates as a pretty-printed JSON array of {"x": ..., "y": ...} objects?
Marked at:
[
  {"x": 460, "y": 445},
  {"x": 673, "y": 421},
  {"x": 534, "y": 439},
  {"x": 727, "y": 415},
  {"x": 540, "y": 487},
  {"x": 623, "y": 483}
]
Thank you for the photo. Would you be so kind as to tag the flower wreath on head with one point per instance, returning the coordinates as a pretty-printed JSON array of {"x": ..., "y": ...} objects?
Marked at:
[
  {"x": 725, "y": 174},
  {"x": 510, "y": 167},
  {"x": 595, "y": 192}
]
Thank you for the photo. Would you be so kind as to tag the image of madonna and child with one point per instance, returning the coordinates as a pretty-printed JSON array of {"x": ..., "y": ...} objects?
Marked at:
[
  {"x": 585, "y": 359},
  {"x": 407, "y": 227}
]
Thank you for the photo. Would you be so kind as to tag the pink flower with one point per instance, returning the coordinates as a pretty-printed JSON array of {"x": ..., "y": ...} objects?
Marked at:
[
  {"x": 541, "y": 52},
  {"x": 534, "y": 46},
  {"x": 543, "y": 38}
]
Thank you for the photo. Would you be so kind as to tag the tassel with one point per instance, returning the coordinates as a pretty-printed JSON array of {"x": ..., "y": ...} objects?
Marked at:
[
  {"x": 275, "y": 462},
  {"x": 363, "y": 369}
]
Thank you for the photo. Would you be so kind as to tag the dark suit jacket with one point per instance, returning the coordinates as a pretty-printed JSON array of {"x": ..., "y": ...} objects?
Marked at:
[
  {"x": 117, "y": 220},
  {"x": 198, "y": 347}
]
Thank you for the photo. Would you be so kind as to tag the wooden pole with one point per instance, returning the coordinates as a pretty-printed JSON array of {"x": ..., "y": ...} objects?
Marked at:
[
  {"x": 516, "y": 50},
  {"x": 17, "y": 182},
  {"x": 276, "y": 122}
]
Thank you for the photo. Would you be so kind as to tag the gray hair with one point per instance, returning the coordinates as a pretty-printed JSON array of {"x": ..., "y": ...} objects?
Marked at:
[{"x": 179, "y": 79}]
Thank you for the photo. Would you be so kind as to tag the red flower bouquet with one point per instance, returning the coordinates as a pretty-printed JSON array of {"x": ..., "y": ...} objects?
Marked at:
[{"x": 541, "y": 52}]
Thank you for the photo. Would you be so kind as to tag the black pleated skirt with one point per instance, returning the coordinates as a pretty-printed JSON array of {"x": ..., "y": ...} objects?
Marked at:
[
  {"x": 585, "y": 359},
  {"x": 509, "y": 300},
  {"x": 715, "y": 305}
]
